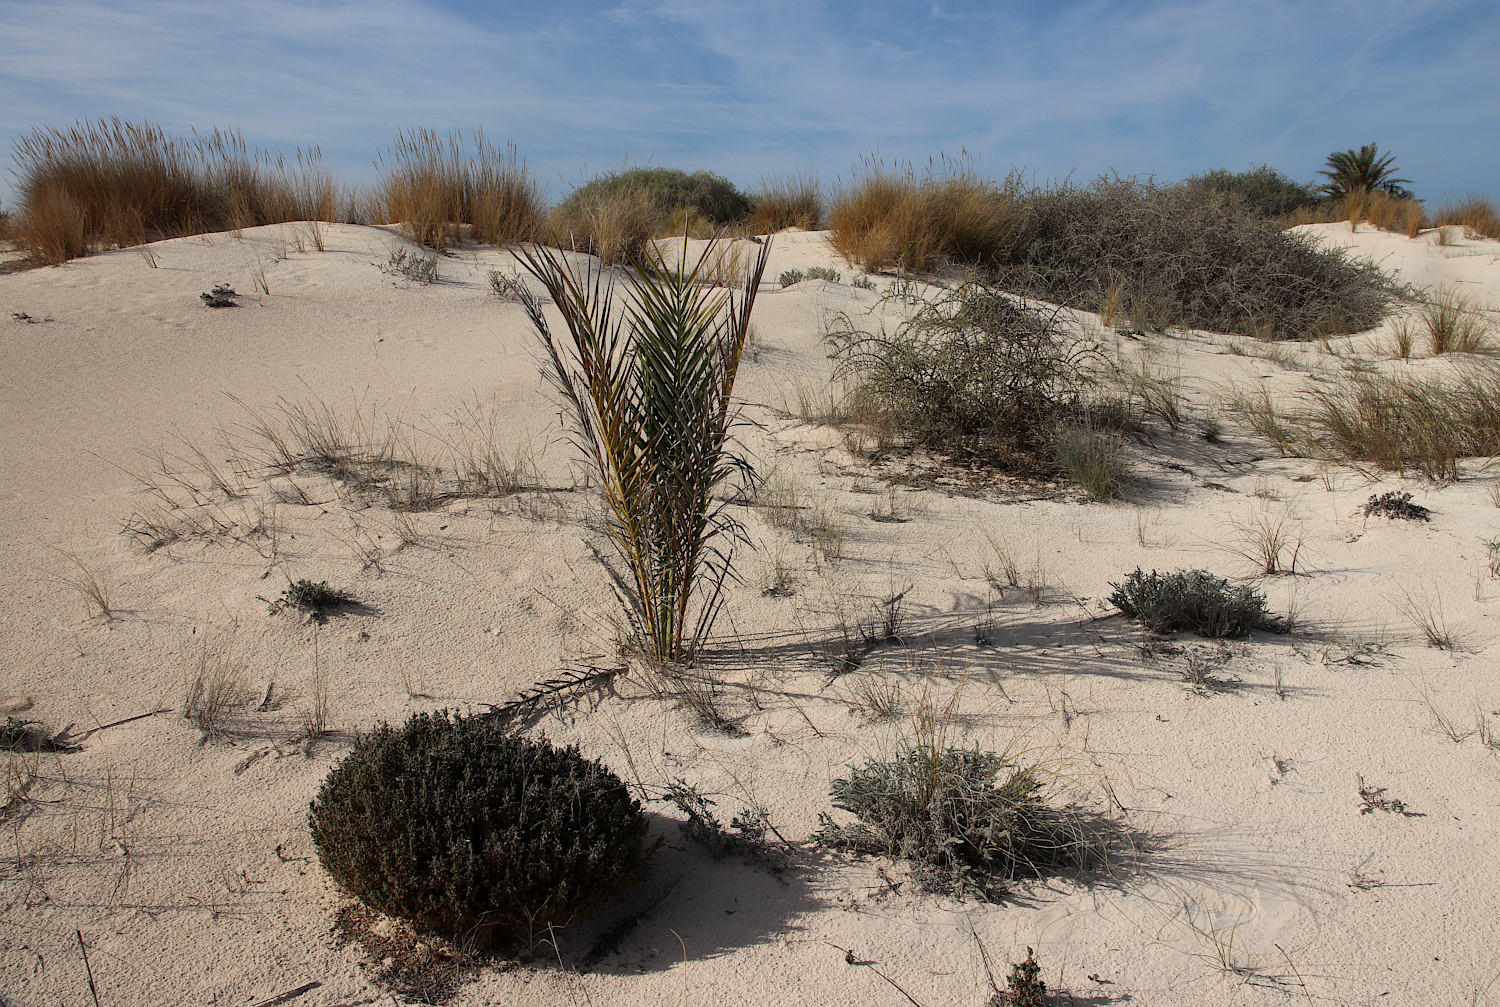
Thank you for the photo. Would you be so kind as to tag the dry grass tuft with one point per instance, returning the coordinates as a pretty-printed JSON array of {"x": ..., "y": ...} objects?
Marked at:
[
  {"x": 106, "y": 183},
  {"x": 893, "y": 216},
  {"x": 215, "y": 687},
  {"x": 1474, "y": 212},
  {"x": 434, "y": 185},
  {"x": 787, "y": 201},
  {"x": 1398, "y": 423},
  {"x": 1454, "y": 324}
]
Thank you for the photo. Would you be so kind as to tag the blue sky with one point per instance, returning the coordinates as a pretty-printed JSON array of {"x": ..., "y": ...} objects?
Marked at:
[{"x": 748, "y": 90}]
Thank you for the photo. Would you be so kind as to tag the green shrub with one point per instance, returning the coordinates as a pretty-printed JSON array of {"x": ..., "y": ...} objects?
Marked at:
[
  {"x": 613, "y": 216},
  {"x": 712, "y": 197},
  {"x": 459, "y": 828},
  {"x": 791, "y": 277},
  {"x": 1190, "y": 257},
  {"x": 971, "y": 822},
  {"x": 1264, "y": 189},
  {"x": 974, "y": 373},
  {"x": 1193, "y": 600}
]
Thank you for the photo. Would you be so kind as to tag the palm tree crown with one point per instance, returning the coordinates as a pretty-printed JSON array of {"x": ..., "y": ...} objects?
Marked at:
[{"x": 1363, "y": 170}]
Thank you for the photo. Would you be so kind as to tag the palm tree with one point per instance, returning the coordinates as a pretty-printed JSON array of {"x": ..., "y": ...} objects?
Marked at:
[
  {"x": 1363, "y": 170},
  {"x": 647, "y": 386}
]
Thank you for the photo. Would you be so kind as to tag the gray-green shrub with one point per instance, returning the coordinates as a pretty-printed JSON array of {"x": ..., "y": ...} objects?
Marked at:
[
  {"x": 971, "y": 822},
  {"x": 1189, "y": 600}
]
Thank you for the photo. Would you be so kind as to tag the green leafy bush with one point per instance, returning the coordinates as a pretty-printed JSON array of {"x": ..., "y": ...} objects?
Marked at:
[
  {"x": 1194, "y": 600},
  {"x": 971, "y": 822},
  {"x": 459, "y": 828}
]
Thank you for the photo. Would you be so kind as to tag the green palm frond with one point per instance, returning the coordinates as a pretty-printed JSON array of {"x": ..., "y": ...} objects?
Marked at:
[
  {"x": 648, "y": 386},
  {"x": 1362, "y": 170}
]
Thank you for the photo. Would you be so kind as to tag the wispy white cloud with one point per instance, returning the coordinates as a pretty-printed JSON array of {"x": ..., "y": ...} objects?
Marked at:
[{"x": 1169, "y": 87}]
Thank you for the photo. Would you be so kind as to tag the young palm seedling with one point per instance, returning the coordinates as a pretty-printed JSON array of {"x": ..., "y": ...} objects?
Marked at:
[{"x": 647, "y": 387}]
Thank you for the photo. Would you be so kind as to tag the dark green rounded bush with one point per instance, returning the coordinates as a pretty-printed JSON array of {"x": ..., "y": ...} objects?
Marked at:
[{"x": 460, "y": 828}]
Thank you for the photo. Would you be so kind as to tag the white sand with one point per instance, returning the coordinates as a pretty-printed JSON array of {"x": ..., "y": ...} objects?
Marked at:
[{"x": 188, "y": 867}]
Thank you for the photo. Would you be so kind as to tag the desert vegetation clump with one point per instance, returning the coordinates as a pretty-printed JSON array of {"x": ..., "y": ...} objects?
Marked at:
[
  {"x": 648, "y": 391},
  {"x": 221, "y": 296},
  {"x": 1402, "y": 422},
  {"x": 973, "y": 373},
  {"x": 315, "y": 598},
  {"x": 971, "y": 822},
  {"x": 460, "y": 828},
  {"x": 1189, "y": 600},
  {"x": 106, "y": 183},
  {"x": 889, "y": 217},
  {"x": 1396, "y": 506},
  {"x": 1453, "y": 323},
  {"x": 1474, "y": 213},
  {"x": 1190, "y": 256},
  {"x": 435, "y": 185},
  {"x": 784, "y": 201},
  {"x": 614, "y": 215},
  {"x": 1263, "y": 189},
  {"x": 412, "y": 265},
  {"x": 1092, "y": 457}
]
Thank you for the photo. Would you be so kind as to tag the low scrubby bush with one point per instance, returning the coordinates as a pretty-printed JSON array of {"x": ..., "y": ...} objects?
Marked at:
[
  {"x": 973, "y": 373},
  {"x": 1189, "y": 600},
  {"x": 459, "y": 828},
  {"x": 971, "y": 822},
  {"x": 1190, "y": 257},
  {"x": 1263, "y": 189}
]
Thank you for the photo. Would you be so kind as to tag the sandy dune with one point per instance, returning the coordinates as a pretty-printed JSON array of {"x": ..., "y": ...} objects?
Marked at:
[{"x": 187, "y": 866}]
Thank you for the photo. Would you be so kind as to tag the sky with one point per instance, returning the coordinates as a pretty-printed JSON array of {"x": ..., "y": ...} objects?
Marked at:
[{"x": 752, "y": 91}]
